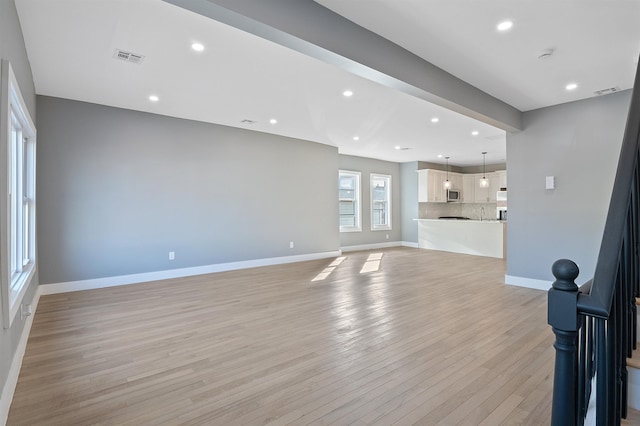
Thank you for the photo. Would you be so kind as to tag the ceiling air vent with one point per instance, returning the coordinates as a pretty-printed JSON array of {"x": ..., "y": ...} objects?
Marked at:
[
  {"x": 247, "y": 121},
  {"x": 607, "y": 91},
  {"x": 123, "y": 55}
]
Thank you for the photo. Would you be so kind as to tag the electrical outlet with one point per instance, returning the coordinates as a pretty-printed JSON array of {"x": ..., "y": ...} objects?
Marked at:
[
  {"x": 290, "y": 244},
  {"x": 387, "y": 236},
  {"x": 172, "y": 255},
  {"x": 25, "y": 311}
]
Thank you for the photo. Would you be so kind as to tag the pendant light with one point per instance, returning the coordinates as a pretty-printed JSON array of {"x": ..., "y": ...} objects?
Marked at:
[
  {"x": 484, "y": 183},
  {"x": 447, "y": 183}
]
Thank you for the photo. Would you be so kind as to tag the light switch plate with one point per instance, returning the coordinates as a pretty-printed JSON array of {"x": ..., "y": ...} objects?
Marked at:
[{"x": 551, "y": 182}]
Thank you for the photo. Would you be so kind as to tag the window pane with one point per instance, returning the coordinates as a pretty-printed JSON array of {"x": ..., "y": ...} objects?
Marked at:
[
  {"x": 347, "y": 194},
  {"x": 14, "y": 206},
  {"x": 348, "y": 221},
  {"x": 349, "y": 197},
  {"x": 25, "y": 234},
  {"x": 347, "y": 182},
  {"x": 380, "y": 202}
]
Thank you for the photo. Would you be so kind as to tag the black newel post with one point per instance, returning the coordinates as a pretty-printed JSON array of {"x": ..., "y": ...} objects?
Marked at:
[{"x": 563, "y": 318}]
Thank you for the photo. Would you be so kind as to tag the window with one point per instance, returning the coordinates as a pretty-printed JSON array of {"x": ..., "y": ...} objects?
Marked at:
[
  {"x": 380, "y": 202},
  {"x": 19, "y": 147},
  {"x": 349, "y": 201}
]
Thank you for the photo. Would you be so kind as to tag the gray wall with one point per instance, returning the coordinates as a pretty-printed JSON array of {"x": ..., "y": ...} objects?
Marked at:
[
  {"x": 409, "y": 198},
  {"x": 578, "y": 143},
  {"x": 12, "y": 48},
  {"x": 366, "y": 166},
  {"x": 119, "y": 189}
]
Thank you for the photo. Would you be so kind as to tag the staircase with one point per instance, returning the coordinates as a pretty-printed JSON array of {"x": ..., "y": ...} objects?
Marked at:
[
  {"x": 633, "y": 367},
  {"x": 597, "y": 367}
]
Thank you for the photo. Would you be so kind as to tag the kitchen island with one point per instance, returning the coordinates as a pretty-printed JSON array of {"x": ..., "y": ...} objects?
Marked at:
[{"x": 477, "y": 237}]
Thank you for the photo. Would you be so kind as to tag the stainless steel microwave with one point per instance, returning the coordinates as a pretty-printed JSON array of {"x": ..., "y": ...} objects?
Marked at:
[{"x": 454, "y": 195}]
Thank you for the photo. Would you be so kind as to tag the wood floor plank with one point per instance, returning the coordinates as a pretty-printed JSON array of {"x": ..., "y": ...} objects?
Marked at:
[{"x": 429, "y": 338}]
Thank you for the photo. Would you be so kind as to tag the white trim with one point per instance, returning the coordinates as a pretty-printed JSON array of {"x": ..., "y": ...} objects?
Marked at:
[
  {"x": 15, "y": 300},
  {"x": 16, "y": 362},
  {"x": 372, "y": 246},
  {"x": 409, "y": 244},
  {"x": 64, "y": 287},
  {"x": 357, "y": 200},
  {"x": 527, "y": 282},
  {"x": 634, "y": 388},
  {"x": 386, "y": 227},
  {"x": 11, "y": 101}
]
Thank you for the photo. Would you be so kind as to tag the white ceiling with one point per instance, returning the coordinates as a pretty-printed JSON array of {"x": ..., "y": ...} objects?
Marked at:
[
  {"x": 596, "y": 43},
  {"x": 71, "y": 44}
]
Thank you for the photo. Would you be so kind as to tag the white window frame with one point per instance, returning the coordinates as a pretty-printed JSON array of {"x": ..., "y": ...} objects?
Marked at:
[
  {"x": 17, "y": 205},
  {"x": 356, "y": 201},
  {"x": 387, "y": 213}
]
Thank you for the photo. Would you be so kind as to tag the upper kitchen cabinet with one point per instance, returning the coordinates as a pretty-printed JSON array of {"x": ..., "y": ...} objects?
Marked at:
[
  {"x": 487, "y": 194},
  {"x": 431, "y": 185},
  {"x": 502, "y": 181},
  {"x": 469, "y": 188},
  {"x": 456, "y": 180}
]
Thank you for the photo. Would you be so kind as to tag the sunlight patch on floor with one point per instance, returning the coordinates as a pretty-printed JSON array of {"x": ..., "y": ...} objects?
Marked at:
[
  {"x": 372, "y": 264},
  {"x": 329, "y": 269}
]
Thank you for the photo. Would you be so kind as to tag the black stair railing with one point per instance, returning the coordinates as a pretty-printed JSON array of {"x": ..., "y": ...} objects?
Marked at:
[{"x": 595, "y": 324}]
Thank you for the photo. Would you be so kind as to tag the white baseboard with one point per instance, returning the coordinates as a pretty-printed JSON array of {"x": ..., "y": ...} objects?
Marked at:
[
  {"x": 14, "y": 371},
  {"x": 64, "y": 287},
  {"x": 374, "y": 246},
  {"x": 409, "y": 244},
  {"x": 527, "y": 282}
]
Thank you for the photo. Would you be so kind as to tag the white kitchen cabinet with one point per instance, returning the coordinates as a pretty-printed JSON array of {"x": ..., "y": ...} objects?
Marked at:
[
  {"x": 468, "y": 188},
  {"x": 494, "y": 186},
  {"x": 431, "y": 186},
  {"x": 456, "y": 180},
  {"x": 481, "y": 194},
  {"x": 423, "y": 186},
  {"x": 488, "y": 194},
  {"x": 502, "y": 181}
]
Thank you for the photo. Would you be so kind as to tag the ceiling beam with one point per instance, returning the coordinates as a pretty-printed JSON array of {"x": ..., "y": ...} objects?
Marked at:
[{"x": 311, "y": 29}]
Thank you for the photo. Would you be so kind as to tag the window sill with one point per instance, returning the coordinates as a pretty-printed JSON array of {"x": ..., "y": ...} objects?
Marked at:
[{"x": 351, "y": 230}]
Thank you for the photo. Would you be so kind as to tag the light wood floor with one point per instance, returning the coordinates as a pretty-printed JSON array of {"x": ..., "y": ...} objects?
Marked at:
[{"x": 430, "y": 338}]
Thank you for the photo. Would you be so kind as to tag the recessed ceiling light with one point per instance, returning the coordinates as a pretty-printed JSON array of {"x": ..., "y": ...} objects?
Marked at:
[
  {"x": 504, "y": 25},
  {"x": 571, "y": 86},
  {"x": 197, "y": 47},
  {"x": 435, "y": 119},
  {"x": 398, "y": 147},
  {"x": 273, "y": 121},
  {"x": 440, "y": 156},
  {"x": 347, "y": 93},
  {"x": 475, "y": 133},
  {"x": 356, "y": 138},
  {"x": 154, "y": 98}
]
